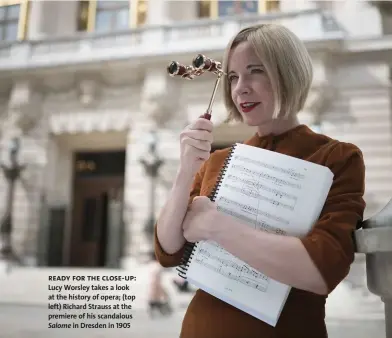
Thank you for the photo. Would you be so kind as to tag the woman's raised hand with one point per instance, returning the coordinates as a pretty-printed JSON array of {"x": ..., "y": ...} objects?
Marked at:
[{"x": 196, "y": 140}]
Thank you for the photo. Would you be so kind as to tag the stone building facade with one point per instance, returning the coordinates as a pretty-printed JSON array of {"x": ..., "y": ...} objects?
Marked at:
[{"x": 82, "y": 83}]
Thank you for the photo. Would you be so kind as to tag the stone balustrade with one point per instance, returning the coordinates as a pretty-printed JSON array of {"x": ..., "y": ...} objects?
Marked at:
[{"x": 312, "y": 26}]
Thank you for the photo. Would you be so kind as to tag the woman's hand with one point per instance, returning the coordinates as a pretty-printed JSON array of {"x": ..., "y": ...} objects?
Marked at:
[
  {"x": 201, "y": 221},
  {"x": 196, "y": 140}
]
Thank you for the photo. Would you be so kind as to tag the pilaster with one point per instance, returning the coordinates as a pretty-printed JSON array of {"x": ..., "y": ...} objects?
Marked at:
[
  {"x": 52, "y": 18},
  {"x": 297, "y": 5},
  {"x": 135, "y": 192},
  {"x": 182, "y": 10},
  {"x": 36, "y": 23},
  {"x": 137, "y": 182},
  {"x": 26, "y": 121},
  {"x": 158, "y": 11}
]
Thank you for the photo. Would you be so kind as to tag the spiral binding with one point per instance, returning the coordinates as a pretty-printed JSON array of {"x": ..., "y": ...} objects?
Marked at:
[{"x": 190, "y": 248}]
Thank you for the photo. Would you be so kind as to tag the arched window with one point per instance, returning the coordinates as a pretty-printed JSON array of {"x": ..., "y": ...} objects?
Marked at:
[
  {"x": 13, "y": 20},
  {"x": 109, "y": 16},
  {"x": 215, "y": 8}
]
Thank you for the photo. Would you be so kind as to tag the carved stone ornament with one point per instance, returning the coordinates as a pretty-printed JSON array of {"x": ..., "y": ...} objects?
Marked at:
[
  {"x": 159, "y": 109},
  {"x": 88, "y": 92},
  {"x": 24, "y": 107}
]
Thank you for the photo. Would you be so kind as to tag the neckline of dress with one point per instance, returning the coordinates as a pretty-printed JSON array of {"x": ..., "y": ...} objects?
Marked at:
[{"x": 281, "y": 135}]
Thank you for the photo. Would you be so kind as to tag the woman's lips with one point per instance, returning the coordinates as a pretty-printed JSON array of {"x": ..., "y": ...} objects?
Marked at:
[{"x": 246, "y": 107}]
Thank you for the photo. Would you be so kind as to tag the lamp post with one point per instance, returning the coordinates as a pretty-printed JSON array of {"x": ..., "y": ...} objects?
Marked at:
[
  {"x": 11, "y": 173},
  {"x": 151, "y": 163}
]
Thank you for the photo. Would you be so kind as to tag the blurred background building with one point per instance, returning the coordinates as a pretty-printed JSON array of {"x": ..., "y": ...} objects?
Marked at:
[{"x": 88, "y": 108}]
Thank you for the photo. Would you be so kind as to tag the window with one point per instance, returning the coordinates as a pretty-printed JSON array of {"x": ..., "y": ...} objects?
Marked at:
[
  {"x": 13, "y": 20},
  {"x": 141, "y": 12},
  {"x": 215, "y": 8},
  {"x": 83, "y": 15},
  {"x": 204, "y": 9},
  {"x": 109, "y": 16},
  {"x": 272, "y": 5},
  {"x": 228, "y": 8}
]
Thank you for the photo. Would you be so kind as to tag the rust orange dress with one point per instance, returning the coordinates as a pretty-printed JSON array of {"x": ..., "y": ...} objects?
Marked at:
[{"x": 329, "y": 244}]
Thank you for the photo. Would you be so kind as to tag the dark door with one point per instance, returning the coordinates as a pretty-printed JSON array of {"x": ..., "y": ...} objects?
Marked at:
[{"x": 91, "y": 217}]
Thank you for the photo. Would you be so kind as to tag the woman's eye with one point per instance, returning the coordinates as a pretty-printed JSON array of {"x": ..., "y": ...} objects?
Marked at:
[
  {"x": 257, "y": 70},
  {"x": 232, "y": 77}
]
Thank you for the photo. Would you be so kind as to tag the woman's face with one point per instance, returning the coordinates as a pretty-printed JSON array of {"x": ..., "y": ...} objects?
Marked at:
[{"x": 250, "y": 86}]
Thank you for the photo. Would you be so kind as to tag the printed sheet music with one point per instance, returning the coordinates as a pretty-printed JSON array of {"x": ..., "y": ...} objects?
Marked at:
[{"x": 270, "y": 192}]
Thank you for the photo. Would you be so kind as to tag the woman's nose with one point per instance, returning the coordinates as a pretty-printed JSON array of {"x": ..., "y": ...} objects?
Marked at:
[{"x": 242, "y": 87}]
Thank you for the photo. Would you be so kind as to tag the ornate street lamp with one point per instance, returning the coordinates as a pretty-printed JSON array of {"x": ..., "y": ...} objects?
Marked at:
[
  {"x": 152, "y": 164},
  {"x": 12, "y": 174}
]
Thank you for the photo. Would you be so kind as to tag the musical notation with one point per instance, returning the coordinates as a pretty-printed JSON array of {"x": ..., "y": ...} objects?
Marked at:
[
  {"x": 259, "y": 194},
  {"x": 248, "y": 209},
  {"x": 268, "y": 192},
  {"x": 256, "y": 194},
  {"x": 289, "y": 172},
  {"x": 230, "y": 267},
  {"x": 260, "y": 186},
  {"x": 268, "y": 177},
  {"x": 259, "y": 225}
]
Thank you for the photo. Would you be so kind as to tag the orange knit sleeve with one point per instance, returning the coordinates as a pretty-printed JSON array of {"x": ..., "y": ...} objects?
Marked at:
[
  {"x": 330, "y": 243},
  {"x": 171, "y": 260}
]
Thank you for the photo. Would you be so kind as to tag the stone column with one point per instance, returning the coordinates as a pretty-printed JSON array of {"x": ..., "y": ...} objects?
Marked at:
[
  {"x": 135, "y": 192},
  {"x": 136, "y": 196},
  {"x": 36, "y": 20},
  {"x": 25, "y": 120},
  {"x": 182, "y": 10},
  {"x": 159, "y": 111},
  {"x": 67, "y": 17},
  {"x": 290, "y": 5},
  {"x": 52, "y": 18},
  {"x": 157, "y": 13}
]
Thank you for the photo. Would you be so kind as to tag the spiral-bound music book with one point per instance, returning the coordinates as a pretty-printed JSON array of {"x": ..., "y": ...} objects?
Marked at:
[{"x": 267, "y": 191}]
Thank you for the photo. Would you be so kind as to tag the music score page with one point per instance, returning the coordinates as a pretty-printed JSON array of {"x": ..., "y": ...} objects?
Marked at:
[{"x": 270, "y": 192}]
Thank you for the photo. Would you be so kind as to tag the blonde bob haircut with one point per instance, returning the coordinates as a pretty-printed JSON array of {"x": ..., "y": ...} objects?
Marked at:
[{"x": 287, "y": 63}]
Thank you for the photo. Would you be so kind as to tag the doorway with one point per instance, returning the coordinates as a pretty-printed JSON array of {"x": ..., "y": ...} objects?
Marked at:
[{"x": 97, "y": 226}]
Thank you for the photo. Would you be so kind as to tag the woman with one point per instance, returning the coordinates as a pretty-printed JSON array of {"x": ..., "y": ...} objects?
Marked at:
[
  {"x": 158, "y": 297},
  {"x": 181, "y": 284},
  {"x": 269, "y": 74}
]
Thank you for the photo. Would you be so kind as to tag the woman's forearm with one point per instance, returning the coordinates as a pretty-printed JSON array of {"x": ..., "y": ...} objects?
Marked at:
[
  {"x": 169, "y": 225},
  {"x": 282, "y": 258}
]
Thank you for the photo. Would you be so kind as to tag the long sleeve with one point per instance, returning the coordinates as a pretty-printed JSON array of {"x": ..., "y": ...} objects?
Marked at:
[
  {"x": 330, "y": 243},
  {"x": 170, "y": 260}
]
